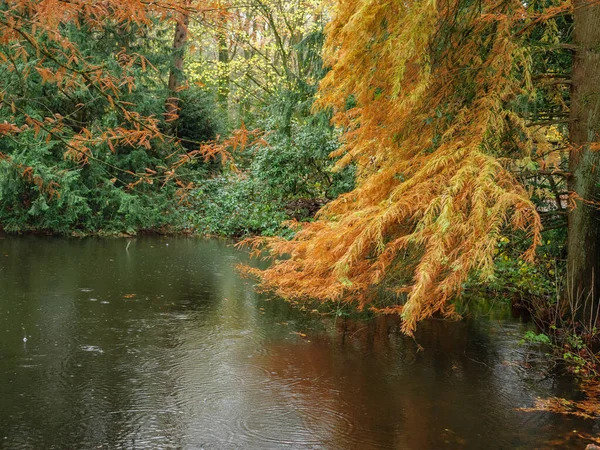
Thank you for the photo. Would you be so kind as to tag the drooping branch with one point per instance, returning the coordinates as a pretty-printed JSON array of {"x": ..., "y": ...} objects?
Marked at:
[{"x": 432, "y": 86}]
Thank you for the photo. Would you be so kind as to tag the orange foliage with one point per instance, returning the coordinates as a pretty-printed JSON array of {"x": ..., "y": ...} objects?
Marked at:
[
  {"x": 57, "y": 60},
  {"x": 223, "y": 150},
  {"x": 49, "y": 189},
  {"x": 8, "y": 128},
  {"x": 588, "y": 408},
  {"x": 432, "y": 83}
]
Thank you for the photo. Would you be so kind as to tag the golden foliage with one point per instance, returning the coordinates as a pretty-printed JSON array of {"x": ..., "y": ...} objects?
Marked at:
[
  {"x": 432, "y": 83},
  {"x": 588, "y": 408}
]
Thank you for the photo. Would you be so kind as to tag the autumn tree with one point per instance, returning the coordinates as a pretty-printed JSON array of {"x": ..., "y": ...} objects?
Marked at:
[
  {"x": 431, "y": 97},
  {"x": 82, "y": 98}
]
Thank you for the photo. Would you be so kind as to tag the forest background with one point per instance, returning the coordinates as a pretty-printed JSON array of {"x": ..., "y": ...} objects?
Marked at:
[{"x": 449, "y": 145}]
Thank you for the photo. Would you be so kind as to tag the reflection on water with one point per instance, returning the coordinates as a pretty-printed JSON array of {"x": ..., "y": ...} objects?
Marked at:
[{"x": 162, "y": 345}]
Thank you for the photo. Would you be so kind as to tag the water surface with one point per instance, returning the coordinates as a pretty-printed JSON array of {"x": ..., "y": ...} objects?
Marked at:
[{"x": 158, "y": 344}]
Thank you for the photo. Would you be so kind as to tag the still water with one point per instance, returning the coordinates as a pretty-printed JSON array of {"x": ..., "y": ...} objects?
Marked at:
[{"x": 158, "y": 344}]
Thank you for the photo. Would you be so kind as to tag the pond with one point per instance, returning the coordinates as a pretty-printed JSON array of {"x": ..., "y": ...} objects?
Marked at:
[{"x": 158, "y": 343}]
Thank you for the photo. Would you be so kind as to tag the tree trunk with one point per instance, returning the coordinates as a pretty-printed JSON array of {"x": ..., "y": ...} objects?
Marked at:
[
  {"x": 223, "y": 94},
  {"x": 583, "y": 263},
  {"x": 176, "y": 73}
]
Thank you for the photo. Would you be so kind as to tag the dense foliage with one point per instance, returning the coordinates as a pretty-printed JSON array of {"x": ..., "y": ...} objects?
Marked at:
[
  {"x": 437, "y": 97},
  {"x": 91, "y": 143},
  {"x": 443, "y": 144},
  {"x": 82, "y": 100}
]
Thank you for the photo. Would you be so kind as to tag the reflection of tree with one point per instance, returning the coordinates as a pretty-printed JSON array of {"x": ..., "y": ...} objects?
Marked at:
[{"x": 456, "y": 393}]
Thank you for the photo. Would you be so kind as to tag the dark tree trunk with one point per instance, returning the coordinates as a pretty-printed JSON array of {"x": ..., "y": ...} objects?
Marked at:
[
  {"x": 583, "y": 263},
  {"x": 176, "y": 73},
  {"x": 223, "y": 94}
]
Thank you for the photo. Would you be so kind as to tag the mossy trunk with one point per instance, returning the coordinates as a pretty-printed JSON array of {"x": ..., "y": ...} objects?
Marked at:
[{"x": 583, "y": 261}]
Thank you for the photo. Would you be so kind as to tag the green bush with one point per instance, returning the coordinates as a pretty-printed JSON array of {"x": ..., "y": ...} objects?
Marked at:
[{"x": 234, "y": 206}]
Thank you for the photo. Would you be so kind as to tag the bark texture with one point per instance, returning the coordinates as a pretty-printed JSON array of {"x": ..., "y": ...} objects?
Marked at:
[{"x": 584, "y": 164}]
